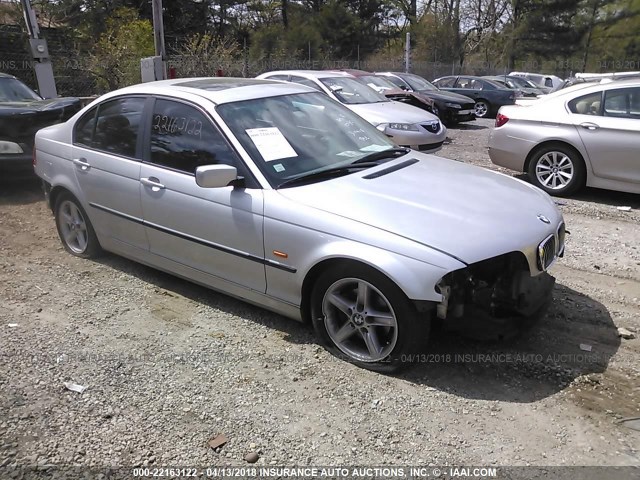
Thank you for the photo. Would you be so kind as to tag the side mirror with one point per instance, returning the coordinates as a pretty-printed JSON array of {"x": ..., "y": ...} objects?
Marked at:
[{"x": 215, "y": 176}]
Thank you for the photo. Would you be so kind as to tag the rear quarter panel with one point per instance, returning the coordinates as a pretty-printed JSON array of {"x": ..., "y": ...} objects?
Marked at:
[{"x": 53, "y": 158}]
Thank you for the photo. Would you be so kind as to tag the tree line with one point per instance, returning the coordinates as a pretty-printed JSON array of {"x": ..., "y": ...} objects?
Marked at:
[{"x": 570, "y": 35}]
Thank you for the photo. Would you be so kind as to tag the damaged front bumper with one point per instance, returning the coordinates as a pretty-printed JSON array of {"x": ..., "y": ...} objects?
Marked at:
[{"x": 497, "y": 296}]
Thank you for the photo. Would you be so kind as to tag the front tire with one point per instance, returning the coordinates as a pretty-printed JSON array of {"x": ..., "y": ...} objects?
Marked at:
[
  {"x": 361, "y": 316},
  {"x": 74, "y": 228},
  {"x": 557, "y": 169}
]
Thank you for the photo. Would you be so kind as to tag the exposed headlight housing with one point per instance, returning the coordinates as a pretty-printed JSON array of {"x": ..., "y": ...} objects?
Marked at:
[
  {"x": 408, "y": 127},
  {"x": 8, "y": 148},
  {"x": 453, "y": 105}
]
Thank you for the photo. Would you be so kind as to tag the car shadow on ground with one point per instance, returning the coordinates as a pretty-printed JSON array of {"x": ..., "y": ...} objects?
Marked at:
[
  {"x": 596, "y": 195},
  {"x": 535, "y": 365},
  {"x": 20, "y": 192},
  {"x": 577, "y": 337},
  {"x": 608, "y": 197},
  {"x": 468, "y": 126}
]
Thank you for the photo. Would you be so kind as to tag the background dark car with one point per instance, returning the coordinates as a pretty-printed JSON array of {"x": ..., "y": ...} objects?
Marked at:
[
  {"x": 452, "y": 108},
  {"x": 22, "y": 113},
  {"x": 488, "y": 96},
  {"x": 522, "y": 85}
]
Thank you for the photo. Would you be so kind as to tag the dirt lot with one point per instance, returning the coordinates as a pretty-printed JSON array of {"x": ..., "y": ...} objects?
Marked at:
[{"x": 168, "y": 364}]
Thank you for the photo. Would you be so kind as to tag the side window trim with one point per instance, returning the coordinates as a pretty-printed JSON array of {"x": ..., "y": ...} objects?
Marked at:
[
  {"x": 146, "y": 154},
  {"x": 74, "y": 139},
  {"x": 138, "y": 153}
]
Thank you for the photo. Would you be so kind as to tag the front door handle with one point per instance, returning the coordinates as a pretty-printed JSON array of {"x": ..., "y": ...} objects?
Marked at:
[
  {"x": 590, "y": 126},
  {"x": 82, "y": 163},
  {"x": 152, "y": 182}
]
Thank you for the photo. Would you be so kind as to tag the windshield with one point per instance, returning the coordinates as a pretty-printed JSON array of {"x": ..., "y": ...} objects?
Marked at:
[
  {"x": 12, "y": 90},
  {"x": 379, "y": 84},
  {"x": 350, "y": 91},
  {"x": 418, "y": 83},
  {"x": 293, "y": 135}
]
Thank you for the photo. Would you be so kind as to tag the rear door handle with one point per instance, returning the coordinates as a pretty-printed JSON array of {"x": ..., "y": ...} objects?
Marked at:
[
  {"x": 590, "y": 126},
  {"x": 82, "y": 163},
  {"x": 152, "y": 182}
]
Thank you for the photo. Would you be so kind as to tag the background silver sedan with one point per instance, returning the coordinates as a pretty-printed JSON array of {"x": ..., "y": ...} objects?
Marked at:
[
  {"x": 405, "y": 124},
  {"x": 588, "y": 134},
  {"x": 276, "y": 194}
]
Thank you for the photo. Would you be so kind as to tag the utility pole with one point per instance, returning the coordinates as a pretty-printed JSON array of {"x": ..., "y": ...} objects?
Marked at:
[
  {"x": 407, "y": 53},
  {"x": 158, "y": 34},
  {"x": 40, "y": 53}
]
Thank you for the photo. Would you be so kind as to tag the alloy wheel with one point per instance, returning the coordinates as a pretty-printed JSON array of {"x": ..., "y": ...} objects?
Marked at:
[
  {"x": 360, "y": 320},
  {"x": 554, "y": 170}
]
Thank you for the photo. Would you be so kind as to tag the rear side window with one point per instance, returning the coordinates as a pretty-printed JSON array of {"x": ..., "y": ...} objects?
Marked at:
[
  {"x": 587, "y": 104},
  {"x": 112, "y": 127},
  {"x": 83, "y": 132},
  {"x": 183, "y": 138},
  {"x": 624, "y": 103}
]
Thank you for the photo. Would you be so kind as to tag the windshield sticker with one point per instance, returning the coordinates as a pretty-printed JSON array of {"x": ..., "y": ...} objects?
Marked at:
[
  {"x": 375, "y": 148},
  {"x": 278, "y": 167},
  {"x": 271, "y": 143}
]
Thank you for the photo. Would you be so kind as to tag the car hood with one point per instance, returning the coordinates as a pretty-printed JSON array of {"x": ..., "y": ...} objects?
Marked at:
[
  {"x": 19, "y": 121},
  {"x": 386, "y": 112},
  {"x": 447, "y": 96},
  {"x": 464, "y": 211}
]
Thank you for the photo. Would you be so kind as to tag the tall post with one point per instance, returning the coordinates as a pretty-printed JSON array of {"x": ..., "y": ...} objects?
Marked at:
[
  {"x": 407, "y": 53},
  {"x": 40, "y": 53},
  {"x": 158, "y": 34}
]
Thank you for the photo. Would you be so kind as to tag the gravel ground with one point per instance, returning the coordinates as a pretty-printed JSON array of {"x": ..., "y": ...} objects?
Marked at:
[{"x": 168, "y": 365}]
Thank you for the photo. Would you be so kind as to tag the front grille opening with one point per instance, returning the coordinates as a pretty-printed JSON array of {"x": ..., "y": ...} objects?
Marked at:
[{"x": 547, "y": 252}]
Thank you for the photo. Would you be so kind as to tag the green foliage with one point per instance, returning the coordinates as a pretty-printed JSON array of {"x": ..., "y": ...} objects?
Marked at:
[
  {"x": 202, "y": 55},
  {"x": 115, "y": 58}
]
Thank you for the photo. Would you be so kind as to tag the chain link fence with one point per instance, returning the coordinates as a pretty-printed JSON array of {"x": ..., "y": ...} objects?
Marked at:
[{"x": 83, "y": 75}]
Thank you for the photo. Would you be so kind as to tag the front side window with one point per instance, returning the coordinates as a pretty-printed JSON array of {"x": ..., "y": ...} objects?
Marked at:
[
  {"x": 624, "y": 103},
  {"x": 447, "y": 82},
  {"x": 183, "y": 138},
  {"x": 293, "y": 135},
  {"x": 117, "y": 124}
]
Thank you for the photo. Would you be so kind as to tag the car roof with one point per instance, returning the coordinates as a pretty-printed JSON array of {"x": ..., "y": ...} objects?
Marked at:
[
  {"x": 311, "y": 73},
  {"x": 353, "y": 72},
  {"x": 590, "y": 87},
  {"x": 6, "y": 75},
  {"x": 217, "y": 89}
]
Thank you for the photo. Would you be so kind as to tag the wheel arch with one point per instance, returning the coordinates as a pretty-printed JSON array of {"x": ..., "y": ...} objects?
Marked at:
[
  {"x": 55, "y": 193},
  {"x": 550, "y": 143},
  {"x": 419, "y": 277}
]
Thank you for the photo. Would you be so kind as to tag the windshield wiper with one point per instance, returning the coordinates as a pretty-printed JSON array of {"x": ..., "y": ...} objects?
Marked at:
[
  {"x": 327, "y": 172},
  {"x": 381, "y": 155}
]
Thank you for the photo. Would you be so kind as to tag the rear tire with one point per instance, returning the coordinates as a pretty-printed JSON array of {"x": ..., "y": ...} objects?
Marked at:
[
  {"x": 557, "y": 169},
  {"x": 483, "y": 109},
  {"x": 74, "y": 228},
  {"x": 361, "y": 316}
]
